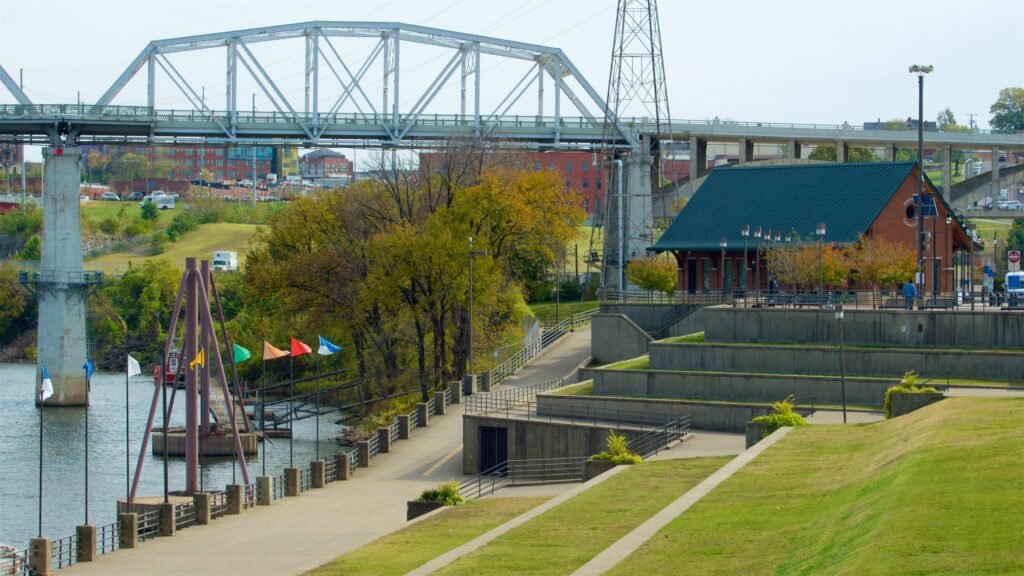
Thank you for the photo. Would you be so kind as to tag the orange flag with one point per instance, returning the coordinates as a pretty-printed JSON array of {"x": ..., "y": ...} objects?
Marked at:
[
  {"x": 299, "y": 348},
  {"x": 271, "y": 353}
]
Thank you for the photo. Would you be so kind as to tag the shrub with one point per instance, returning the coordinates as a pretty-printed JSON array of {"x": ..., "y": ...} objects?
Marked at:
[
  {"x": 150, "y": 211},
  {"x": 110, "y": 226},
  {"x": 135, "y": 228},
  {"x": 908, "y": 385},
  {"x": 157, "y": 244},
  {"x": 618, "y": 451},
  {"x": 782, "y": 414},
  {"x": 446, "y": 492}
]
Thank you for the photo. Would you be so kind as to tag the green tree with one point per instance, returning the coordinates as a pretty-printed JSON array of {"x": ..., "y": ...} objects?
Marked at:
[
  {"x": 17, "y": 305},
  {"x": 655, "y": 273},
  {"x": 1015, "y": 239},
  {"x": 32, "y": 250},
  {"x": 131, "y": 166},
  {"x": 149, "y": 211},
  {"x": 1008, "y": 111},
  {"x": 883, "y": 263},
  {"x": 828, "y": 153}
]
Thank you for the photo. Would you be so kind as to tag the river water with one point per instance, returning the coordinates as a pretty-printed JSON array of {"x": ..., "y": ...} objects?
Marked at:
[{"x": 64, "y": 456}]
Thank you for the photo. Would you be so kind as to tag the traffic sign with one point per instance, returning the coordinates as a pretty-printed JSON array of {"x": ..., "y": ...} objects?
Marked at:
[{"x": 1013, "y": 259}]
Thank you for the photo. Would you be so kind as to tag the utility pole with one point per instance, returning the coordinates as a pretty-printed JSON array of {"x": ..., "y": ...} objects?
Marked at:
[{"x": 971, "y": 115}]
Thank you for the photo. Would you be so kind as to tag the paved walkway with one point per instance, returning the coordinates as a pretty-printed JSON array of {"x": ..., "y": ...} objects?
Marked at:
[{"x": 294, "y": 535}]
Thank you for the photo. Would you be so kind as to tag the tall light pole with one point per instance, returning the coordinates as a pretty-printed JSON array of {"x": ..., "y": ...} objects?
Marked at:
[
  {"x": 842, "y": 361},
  {"x": 757, "y": 264},
  {"x": 472, "y": 254},
  {"x": 920, "y": 71},
  {"x": 721, "y": 265},
  {"x": 949, "y": 242},
  {"x": 821, "y": 263},
  {"x": 995, "y": 260},
  {"x": 745, "y": 232}
]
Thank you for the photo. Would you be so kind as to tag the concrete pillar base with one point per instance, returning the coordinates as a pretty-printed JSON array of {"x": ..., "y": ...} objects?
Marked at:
[
  {"x": 86, "y": 551},
  {"x": 236, "y": 499},
  {"x": 423, "y": 410},
  {"x": 341, "y": 466},
  {"x": 404, "y": 426},
  {"x": 455, "y": 389},
  {"x": 129, "y": 530},
  {"x": 363, "y": 447},
  {"x": 383, "y": 440},
  {"x": 203, "y": 510},
  {"x": 485, "y": 382},
  {"x": 291, "y": 482},
  {"x": 469, "y": 384},
  {"x": 793, "y": 149},
  {"x": 39, "y": 552},
  {"x": 167, "y": 523},
  {"x": 439, "y": 403},
  {"x": 319, "y": 474},
  {"x": 746, "y": 150},
  {"x": 264, "y": 490}
]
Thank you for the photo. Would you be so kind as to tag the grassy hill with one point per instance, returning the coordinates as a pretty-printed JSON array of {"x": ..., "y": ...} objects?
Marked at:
[
  {"x": 200, "y": 243},
  {"x": 938, "y": 491}
]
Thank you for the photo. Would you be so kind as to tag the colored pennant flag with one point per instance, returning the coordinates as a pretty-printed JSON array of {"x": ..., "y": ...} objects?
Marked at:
[
  {"x": 300, "y": 348},
  {"x": 271, "y": 353},
  {"x": 46, "y": 390},
  {"x": 241, "y": 354},
  {"x": 133, "y": 367},
  {"x": 89, "y": 368},
  {"x": 197, "y": 361},
  {"x": 327, "y": 348}
]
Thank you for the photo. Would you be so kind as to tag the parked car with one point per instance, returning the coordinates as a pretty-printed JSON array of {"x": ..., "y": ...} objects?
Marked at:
[
  {"x": 110, "y": 196},
  {"x": 1010, "y": 205},
  {"x": 136, "y": 196}
]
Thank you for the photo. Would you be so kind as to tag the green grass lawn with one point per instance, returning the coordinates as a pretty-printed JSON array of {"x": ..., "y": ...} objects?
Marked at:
[
  {"x": 638, "y": 363},
  {"x": 415, "y": 545},
  {"x": 581, "y": 389},
  {"x": 937, "y": 491},
  {"x": 987, "y": 228},
  {"x": 545, "y": 311},
  {"x": 98, "y": 210},
  {"x": 695, "y": 337},
  {"x": 566, "y": 537},
  {"x": 200, "y": 243}
]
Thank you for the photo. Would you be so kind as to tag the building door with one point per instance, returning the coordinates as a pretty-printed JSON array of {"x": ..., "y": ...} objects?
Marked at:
[
  {"x": 493, "y": 447},
  {"x": 707, "y": 274},
  {"x": 728, "y": 276},
  {"x": 691, "y": 276}
]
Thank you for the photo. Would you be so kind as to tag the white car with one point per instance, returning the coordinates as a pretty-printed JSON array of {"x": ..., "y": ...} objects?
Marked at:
[{"x": 1010, "y": 205}]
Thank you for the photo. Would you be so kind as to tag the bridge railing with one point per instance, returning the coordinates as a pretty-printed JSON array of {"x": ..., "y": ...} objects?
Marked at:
[
  {"x": 149, "y": 524},
  {"x": 108, "y": 538},
  {"x": 64, "y": 551},
  {"x": 14, "y": 562}
]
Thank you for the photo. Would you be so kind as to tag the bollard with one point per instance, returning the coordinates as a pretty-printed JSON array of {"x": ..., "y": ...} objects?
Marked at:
[
  {"x": 439, "y": 403},
  {"x": 291, "y": 482},
  {"x": 86, "y": 549},
  {"x": 341, "y": 466},
  {"x": 236, "y": 499},
  {"x": 424, "y": 411},
  {"x": 203, "y": 510},
  {"x": 383, "y": 440},
  {"x": 403, "y": 427},
  {"x": 485, "y": 382},
  {"x": 167, "y": 524},
  {"x": 455, "y": 389},
  {"x": 319, "y": 472},
  {"x": 264, "y": 490},
  {"x": 364, "y": 453},
  {"x": 128, "y": 527},
  {"x": 469, "y": 384},
  {"x": 39, "y": 553}
]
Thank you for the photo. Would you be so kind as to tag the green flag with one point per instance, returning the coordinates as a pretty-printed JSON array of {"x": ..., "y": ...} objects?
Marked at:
[{"x": 241, "y": 354}]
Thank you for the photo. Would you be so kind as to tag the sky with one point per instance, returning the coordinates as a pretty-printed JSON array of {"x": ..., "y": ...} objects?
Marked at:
[{"x": 802, "y": 61}]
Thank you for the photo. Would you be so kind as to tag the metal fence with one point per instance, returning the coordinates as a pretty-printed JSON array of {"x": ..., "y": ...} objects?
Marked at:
[
  {"x": 184, "y": 516},
  {"x": 374, "y": 445},
  {"x": 501, "y": 399},
  {"x": 393, "y": 431},
  {"x": 14, "y": 562},
  {"x": 277, "y": 488},
  {"x": 414, "y": 419},
  {"x": 108, "y": 538},
  {"x": 509, "y": 367},
  {"x": 305, "y": 479},
  {"x": 149, "y": 525},
  {"x": 64, "y": 551},
  {"x": 649, "y": 444},
  {"x": 577, "y": 414},
  {"x": 330, "y": 470},
  {"x": 218, "y": 504},
  {"x": 447, "y": 397},
  {"x": 353, "y": 460},
  {"x": 522, "y": 472},
  {"x": 251, "y": 493},
  {"x": 431, "y": 407}
]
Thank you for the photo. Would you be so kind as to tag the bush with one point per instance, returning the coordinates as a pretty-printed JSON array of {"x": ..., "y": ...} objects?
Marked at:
[
  {"x": 618, "y": 451},
  {"x": 135, "y": 228},
  {"x": 446, "y": 492},
  {"x": 110, "y": 226},
  {"x": 782, "y": 415},
  {"x": 150, "y": 211},
  {"x": 180, "y": 225},
  {"x": 908, "y": 385},
  {"x": 157, "y": 244}
]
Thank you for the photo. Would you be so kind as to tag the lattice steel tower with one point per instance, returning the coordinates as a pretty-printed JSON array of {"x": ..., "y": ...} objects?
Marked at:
[{"x": 636, "y": 88}]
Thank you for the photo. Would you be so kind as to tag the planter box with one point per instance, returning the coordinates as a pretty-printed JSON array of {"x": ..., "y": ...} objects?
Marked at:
[
  {"x": 594, "y": 468},
  {"x": 905, "y": 402},
  {"x": 417, "y": 508}
]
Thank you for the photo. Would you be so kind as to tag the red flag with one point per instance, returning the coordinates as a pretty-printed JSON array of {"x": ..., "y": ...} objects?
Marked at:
[{"x": 299, "y": 348}]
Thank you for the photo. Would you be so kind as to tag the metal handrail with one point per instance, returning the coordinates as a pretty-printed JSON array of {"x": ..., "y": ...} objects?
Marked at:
[
  {"x": 947, "y": 374},
  {"x": 447, "y": 397},
  {"x": 550, "y": 335},
  {"x": 218, "y": 504},
  {"x": 108, "y": 538},
  {"x": 574, "y": 414},
  {"x": 64, "y": 551},
  {"x": 278, "y": 487},
  {"x": 353, "y": 460},
  {"x": 184, "y": 516},
  {"x": 374, "y": 445},
  {"x": 14, "y": 562},
  {"x": 414, "y": 419},
  {"x": 251, "y": 492},
  {"x": 330, "y": 470},
  {"x": 149, "y": 524},
  {"x": 519, "y": 472},
  {"x": 305, "y": 479},
  {"x": 432, "y": 407},
  {"x": 516, "y": 395}
]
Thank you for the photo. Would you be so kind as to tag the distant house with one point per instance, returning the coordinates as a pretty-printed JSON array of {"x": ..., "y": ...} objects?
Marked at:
[{"x": 872, "y": 198}]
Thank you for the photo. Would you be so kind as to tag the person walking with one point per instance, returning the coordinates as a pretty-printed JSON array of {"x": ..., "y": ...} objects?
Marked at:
[{"x": 909, "y": 293}]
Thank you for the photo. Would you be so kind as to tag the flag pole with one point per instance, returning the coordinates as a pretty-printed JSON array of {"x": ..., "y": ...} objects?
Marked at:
[
  {"x": 291, "y": 414},
  {"x": 88, "y": 386},
  {"x": 318, "y": 405},
  {"x": 127, "y": 437},
  {"x": 42, "y": 405},
  {"x": 163, "y": 394},
  {"x": 263, "y": 413}
]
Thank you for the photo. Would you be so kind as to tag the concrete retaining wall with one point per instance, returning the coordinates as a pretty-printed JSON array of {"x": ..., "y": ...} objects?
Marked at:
[
  {"x": 695, "y": 322},
  {"x": 620, "y": 339},
  {"x": 961, "y": 329},
  {"x": 883, "y": 363},
  {"x": 904, "y": 403},
  {"x": 646, "y": 316},
  {"x": 734, "y": 387},
  {"x": 703, "y": 415}
]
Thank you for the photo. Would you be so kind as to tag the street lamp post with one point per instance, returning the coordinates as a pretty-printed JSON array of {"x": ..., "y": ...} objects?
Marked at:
[
  {"x": 721, "y": 265},
  {"x": 842, "y": 361},
  {"x": 472, "y": 254},
  {"x": 821, "y": 263},
  {"x": 995, "y": 259},
  {"x": 757, "y": 263},
  {"x": 949, "y": 242},
  {"x": 745, "y": 232},
  {"x": 920, "y": 71}
]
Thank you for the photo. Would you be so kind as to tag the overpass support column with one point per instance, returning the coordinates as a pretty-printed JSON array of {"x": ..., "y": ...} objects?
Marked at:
[
  {"x": 947, "y": 170},
  {"x": 698, "y": 157},
  {"x": 746, "y": 150},
  {"x": 995, "y": 171},
  {"x": 842, "y": 151},
  {"x": 793, "y": 149},
  {"x": 60, "y": 290},
  {"x": 639, "y": 215},
  {"x": 890, "y": 152}
]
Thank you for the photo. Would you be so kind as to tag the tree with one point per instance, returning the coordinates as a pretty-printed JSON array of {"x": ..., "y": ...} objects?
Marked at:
[
  {"x": 1015, "y": 239},
  {"x": 828, "y": 153},
  {"x": 17, "y": 305},
  {"x": 132, "y": 166},
  {"x": 883, "y": 263},
  {"x": 1008, "y": 111},
  {"x": 654, "y": 273},
  {"x": 149, "y": 211},
  {"x": 805, "y": 265}
]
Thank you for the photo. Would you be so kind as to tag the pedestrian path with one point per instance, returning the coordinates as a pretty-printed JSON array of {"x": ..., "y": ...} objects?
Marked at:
[{"x": 294, "y": 535}]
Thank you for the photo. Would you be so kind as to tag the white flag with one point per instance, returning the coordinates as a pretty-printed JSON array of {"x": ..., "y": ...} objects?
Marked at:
[
  {"x": 46, "y": 390},
  {"x": 133, "y": 367}
]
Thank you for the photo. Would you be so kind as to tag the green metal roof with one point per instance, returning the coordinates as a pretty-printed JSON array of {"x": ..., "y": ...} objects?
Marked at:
[{"x": 846, "y": 197}]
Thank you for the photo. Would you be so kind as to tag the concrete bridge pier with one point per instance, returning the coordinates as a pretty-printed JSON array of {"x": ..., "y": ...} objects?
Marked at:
[
  {"x": 636, "y": 221},
  {"x": 890, "y": 152},
  {"x": 842, "y": 151},
  {"x": 793, "y": 149},
  {"x": 61, "y": 286},
  {"x": 746, "y": 150},
  {"x": 699, "y": 157},
  {"x": 995, "y": 166},
  {"x": 947, "y": 170}
]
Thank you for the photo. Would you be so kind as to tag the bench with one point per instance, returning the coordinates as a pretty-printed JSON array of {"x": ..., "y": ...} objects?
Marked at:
[
  {"x": 893, "y": 303},
  {"x": 937, "y": 303}
]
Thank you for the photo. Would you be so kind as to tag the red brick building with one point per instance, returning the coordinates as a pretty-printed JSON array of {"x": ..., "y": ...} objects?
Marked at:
[
  {"x": 325, "y": 164},
  {"x": 873, "y": 198}
]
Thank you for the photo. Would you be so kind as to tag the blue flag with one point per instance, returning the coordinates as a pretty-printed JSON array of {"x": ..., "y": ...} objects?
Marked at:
[
  {"x": 88, "y": 367},
  {"x": 46, "y": 388},
  {"x": 326, "y": 348}
]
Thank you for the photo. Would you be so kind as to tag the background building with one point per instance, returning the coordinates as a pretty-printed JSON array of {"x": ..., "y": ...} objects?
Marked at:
[{"x": 326, "y": 168}]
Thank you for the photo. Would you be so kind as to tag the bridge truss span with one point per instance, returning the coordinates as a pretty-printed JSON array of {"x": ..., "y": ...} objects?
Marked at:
[{"x": 332, "y": 83}]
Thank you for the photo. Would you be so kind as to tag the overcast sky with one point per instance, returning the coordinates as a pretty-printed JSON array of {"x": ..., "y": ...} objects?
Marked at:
[{"x": 808, "y": 61}]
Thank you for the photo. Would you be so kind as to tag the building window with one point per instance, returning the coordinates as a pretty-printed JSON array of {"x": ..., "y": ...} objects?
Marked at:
[
  {"x": 568, "y": 167},
  {"x": 586, "y": 168},
  {"x": 551, "y": 165},
  {"x": 586, "y": 184},
  {"x": 220, "y": 164},
  {"x": 188, "y": 151},
  {"x": 536, "y": 166},
  {"x": 598, "y": 184}
]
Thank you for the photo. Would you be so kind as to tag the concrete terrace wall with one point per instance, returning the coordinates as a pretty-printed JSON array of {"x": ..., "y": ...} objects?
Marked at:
[
  {"x": 734, "y": 387},
  {"x": 961, "y": 329},
  {"x": 879, "y": 362},
  {"x": 619, "y": 338},
  {"x": 732, "y": 417},
  {"x": 646, "y": 316}
]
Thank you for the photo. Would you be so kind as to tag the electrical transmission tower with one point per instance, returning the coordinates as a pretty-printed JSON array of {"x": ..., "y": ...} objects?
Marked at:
[{"x": 636, "y": 88}]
